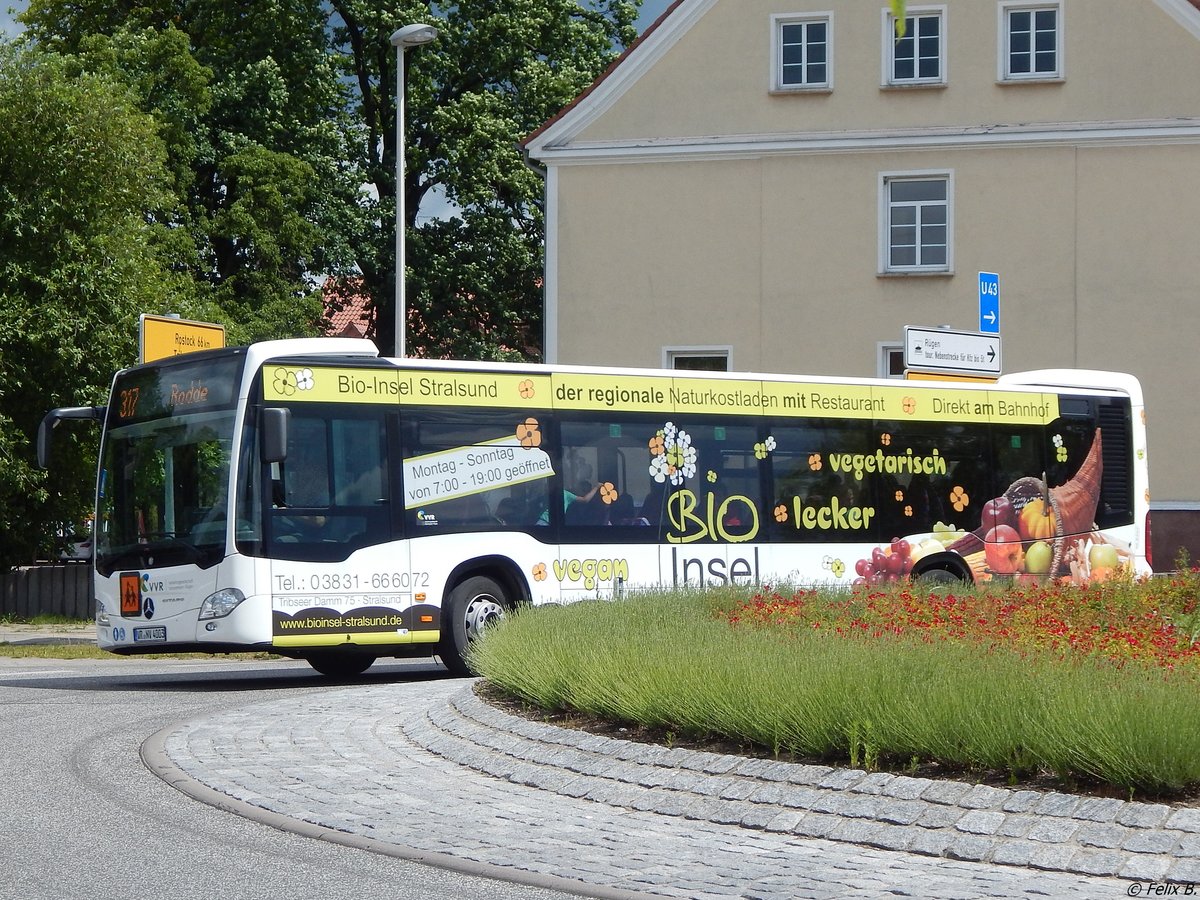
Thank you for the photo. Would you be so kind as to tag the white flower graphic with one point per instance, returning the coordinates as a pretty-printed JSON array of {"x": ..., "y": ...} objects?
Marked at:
[
  {"x": 689, "y": 461},
  {"x": 304, "y": 380},
  {"x": 658, "y": 468},
  {"x": 674, "y": 457}
]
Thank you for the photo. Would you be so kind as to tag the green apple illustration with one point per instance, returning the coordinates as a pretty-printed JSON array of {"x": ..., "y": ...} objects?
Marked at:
[{"x": 1038, "y": 558}]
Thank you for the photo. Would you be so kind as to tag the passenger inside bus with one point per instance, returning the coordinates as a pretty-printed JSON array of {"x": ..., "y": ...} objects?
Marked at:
[
  {"x": 624, "y": 512},
  {"x": 508, "y": 511},
  {"x": 570, "y": 500},
  {"x": 652, "y": 506}
]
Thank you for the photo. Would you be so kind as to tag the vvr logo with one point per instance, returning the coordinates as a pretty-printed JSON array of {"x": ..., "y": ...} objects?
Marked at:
[{"x": 148, "y": 602}]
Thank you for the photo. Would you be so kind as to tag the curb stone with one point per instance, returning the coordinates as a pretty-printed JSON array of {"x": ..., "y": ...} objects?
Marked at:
[
  {"x": 1052, "y": 832},
  {"x": 338, "y": 766}
]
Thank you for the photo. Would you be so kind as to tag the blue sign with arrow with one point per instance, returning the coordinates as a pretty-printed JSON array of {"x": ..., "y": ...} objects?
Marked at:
[{"x": 989, "y": 303}]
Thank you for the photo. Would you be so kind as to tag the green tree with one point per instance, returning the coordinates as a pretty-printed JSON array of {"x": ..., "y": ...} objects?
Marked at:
[
  {"x": 285, "y": 116},
  {"x": 84, "y": 248},
  {"x": 253, "y": 115},
  {"x": 496, "y": 72}
]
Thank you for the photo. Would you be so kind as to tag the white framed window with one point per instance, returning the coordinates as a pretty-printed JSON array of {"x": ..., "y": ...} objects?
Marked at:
[
  {"x": 701, "y": 359},
  {"x": 890, "y": 363},
  {"x": 1030, "y": 41},
  {"x": 802, "y": 52},
  {"x": 918, "y": 58},
  {"x": 916, "y": 222}
]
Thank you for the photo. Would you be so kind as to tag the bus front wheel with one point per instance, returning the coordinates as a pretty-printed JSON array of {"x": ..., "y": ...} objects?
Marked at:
[{"x": 474, "y": 604}]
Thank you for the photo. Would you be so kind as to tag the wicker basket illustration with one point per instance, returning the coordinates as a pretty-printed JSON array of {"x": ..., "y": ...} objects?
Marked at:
[{"x": 1073, "y": 504}]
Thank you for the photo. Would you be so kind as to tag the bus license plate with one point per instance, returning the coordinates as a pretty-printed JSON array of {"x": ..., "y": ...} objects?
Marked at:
[{"x": 142, "y": 635}]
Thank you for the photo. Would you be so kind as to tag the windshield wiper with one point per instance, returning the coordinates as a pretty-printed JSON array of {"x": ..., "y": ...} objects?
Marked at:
[
  {"x": 165, "y": 541},
  {"x": 143, "y": 555}
]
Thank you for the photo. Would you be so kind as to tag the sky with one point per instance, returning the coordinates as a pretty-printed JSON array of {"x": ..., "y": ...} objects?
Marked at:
[
  {"x": 7, "y": 26},
  {"x": 651, "y": 10}
]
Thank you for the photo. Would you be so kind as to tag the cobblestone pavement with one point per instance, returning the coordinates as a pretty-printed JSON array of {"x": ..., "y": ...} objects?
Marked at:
[{"x": 428, "y": 771}]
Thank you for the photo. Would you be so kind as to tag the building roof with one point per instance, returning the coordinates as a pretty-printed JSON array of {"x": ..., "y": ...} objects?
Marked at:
[
  {"x": 347, "y": 308},
  {"x": 662, "y": 34},
  {"x": 612, "y": 67}
]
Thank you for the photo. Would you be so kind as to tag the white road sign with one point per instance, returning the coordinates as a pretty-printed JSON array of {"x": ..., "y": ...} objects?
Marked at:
[{"x": 939, "y": 350}]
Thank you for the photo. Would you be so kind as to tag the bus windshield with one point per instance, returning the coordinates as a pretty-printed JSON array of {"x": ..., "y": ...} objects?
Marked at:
[
  {"x": 163, "y": 493},
  {"x": 164, "y": 488}
]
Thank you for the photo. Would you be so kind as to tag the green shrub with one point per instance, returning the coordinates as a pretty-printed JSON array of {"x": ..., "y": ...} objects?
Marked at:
[{"x": 678, "y": 661}]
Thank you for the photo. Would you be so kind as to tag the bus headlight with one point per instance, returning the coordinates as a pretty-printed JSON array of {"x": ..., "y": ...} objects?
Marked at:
[
  {"x": 220, "y": 604},
  {"x": 101, "y": 613}
]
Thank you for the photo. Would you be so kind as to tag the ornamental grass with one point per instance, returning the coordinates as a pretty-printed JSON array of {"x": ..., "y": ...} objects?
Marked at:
[{"x": 1093, "y": 688}]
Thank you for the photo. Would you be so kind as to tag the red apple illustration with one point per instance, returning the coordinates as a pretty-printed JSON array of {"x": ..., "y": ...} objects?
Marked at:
[
  {"x": 1002, "y": 548},
  {"x": 998, "y": 512}
]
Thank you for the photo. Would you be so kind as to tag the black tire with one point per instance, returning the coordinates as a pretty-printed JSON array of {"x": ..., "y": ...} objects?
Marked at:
[
  {"x": 936, "y": 579},
  {"x": 336, "y": 664},
  {"x": 473, "y": 605}
]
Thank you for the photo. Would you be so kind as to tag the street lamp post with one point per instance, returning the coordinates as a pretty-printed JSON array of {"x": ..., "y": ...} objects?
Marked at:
[{"x": 409, "y": 36}]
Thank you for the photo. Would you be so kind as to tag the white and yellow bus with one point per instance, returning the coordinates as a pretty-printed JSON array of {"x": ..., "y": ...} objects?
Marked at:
[{"x": 313, "y": 499}]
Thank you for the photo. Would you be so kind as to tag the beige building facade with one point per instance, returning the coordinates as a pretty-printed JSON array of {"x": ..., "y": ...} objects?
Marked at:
[{"x": 782, "y": 186}]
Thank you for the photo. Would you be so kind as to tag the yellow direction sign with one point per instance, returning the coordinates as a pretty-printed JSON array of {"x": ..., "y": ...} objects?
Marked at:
[
  {"x": 163, "y": 336},
  {"x": 942, "y": 376}
]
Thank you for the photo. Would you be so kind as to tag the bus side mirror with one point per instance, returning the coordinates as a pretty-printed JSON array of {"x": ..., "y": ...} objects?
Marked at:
[
  {"x": 275, "y": 433},
  {"x": 50, "y": 422}
]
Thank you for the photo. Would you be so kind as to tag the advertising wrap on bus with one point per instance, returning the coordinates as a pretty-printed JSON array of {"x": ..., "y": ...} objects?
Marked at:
[
  {"x": 890, "y": 466},
  {"x": 311, "y": 498},
  {"x": 674, "y": 395}
]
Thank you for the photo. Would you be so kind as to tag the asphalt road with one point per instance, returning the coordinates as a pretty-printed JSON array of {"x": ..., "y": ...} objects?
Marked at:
[{"x": 80, "y": 815}]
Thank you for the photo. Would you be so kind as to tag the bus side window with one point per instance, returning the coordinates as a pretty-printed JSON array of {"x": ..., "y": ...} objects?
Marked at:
[
  {"x": 1116, "y": 506},
  {"x": 469, "y": 472},
  {"x": 941, "y": 475},
  {"x": 306, "y": 470},
  {"x": 811, "y": 467},
  {"x": 360, "y": 478},
  {"x": 606, "y": 479},
  {"x": 1017, "y": 453},
  {"x": 330, "y": 494}
]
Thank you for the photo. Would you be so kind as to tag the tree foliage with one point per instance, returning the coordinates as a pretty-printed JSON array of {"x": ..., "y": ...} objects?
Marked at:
[
  {"x": 84, "y": 192},
  {"x": 495, "y": 73},
  {"x": 279, "y": 118},
  {"x": 223, "y": 158},
  {"x": 253, "y": 116}
]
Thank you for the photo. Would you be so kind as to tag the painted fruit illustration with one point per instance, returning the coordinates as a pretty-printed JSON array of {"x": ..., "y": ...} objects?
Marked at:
[
  {"x": 1071, "y": 510},
  {"x": 1038, "y": 558},
  {"x": 1037, "y": 520},
  {"x": 886, "y": 564},
  {"x": 1103, "y": 556},
  {"x": 999, "y": 512},
  {"x": 1002, "y": 548}
]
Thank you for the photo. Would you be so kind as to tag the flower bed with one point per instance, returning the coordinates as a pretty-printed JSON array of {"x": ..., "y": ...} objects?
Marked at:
[
  {"x": 1154, "y": 622},
  {"x": 1070, "y": 687}
]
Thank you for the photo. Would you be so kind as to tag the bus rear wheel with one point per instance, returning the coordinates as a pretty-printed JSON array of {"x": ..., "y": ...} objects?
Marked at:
[
  {"x": 340, "y": 665},
  {"x": 941, "y": 579},
  {"x": 474, "y": 604}
]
